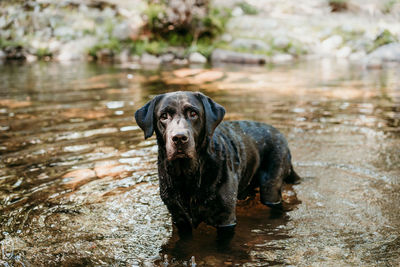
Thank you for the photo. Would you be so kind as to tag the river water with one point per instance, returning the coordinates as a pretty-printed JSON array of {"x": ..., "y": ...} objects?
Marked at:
[{"x": 79, "y": 186}]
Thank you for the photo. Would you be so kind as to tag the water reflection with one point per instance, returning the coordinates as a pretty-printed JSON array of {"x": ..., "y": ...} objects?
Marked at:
[{"x": 78, "y": 183}]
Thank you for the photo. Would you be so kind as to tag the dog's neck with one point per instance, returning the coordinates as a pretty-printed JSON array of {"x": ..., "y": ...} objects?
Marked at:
[{"x": 182, "y": 170}]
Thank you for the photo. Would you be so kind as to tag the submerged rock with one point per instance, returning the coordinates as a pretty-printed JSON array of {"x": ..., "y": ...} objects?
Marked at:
[
  {"x": 281, "y": 42},
  {"x": 220, "y": 55}
]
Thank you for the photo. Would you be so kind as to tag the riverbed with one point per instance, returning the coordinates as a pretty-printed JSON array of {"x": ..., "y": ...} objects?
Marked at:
[{"x": 79, "y": 185}]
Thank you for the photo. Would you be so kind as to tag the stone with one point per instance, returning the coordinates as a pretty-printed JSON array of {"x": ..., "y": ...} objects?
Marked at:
[
  {"x": 124, "y": 56},
  {"x": 385, "y": 53},
  {"x": 31, "y": 58},
  {"x": 282, "y": 58},
  {"x": 220, "y": 55},
  {"x": 197, "y": 58},
  {"x": 281, "y": 42},
  {"x": 121, "y": 31},
  {"x": 356, "y": 56},
  {"x": 331, "y": 43},
  {"x": 373, "y": 63},
  {"x": 54, "y": 46},
  {"x": 64, "y": 32},
  {"x": 75, "y": 50},
  {"x": 2, "y": 55},
  {"x": 180, "y": 61},
  {"x": 3, "y": 22},
  {"x": 207, "y": 76},
  {"x": 250, "y": 44},
  {"x": 343, "y": 52},
  {"x": 226, "y": 37},
  {"x": 148, "y": 59},
  {"x": 237, "y": 11},
  {"x": 167, "y": 58},
  {"x": 105, "y": 54},
  {"x": 125, "y": 31}
]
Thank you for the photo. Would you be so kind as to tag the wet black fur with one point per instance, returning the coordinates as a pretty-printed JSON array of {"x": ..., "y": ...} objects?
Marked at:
[{"x": 233, "y": 159}]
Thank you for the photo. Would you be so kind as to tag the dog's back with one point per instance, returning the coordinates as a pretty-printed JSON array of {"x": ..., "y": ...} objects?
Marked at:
[{"x": 252, "y": 149}]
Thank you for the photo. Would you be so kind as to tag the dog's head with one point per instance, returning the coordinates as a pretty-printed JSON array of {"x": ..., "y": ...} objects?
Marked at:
[{"x": 181, "y": 120}]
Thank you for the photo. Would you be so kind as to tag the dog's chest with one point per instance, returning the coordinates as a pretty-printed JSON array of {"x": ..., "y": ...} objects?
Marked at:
[{"x": 206, "y": 210}]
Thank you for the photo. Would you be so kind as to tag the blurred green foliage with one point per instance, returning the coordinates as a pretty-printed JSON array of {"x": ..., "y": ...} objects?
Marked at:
[
  {"x": 112, "y": 44},
  {"x": 388, "y": 5},
  {"x": 386, "y": 37},
  {"x": 247, "y": 8},
  {"x": 198, "y": 32}
]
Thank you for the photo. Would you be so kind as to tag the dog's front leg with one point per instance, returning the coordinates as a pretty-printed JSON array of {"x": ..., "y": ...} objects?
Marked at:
[{"x": 180, "y": 219}]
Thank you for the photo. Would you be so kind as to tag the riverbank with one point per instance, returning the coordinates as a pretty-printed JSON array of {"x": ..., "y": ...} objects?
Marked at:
[{"x": 253, "y": 32}]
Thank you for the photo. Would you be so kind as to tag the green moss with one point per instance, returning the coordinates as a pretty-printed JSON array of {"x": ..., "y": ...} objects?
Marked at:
[
  {"x": 178, "y": 38},
  {"x": 296, "y": 49},
  {"x": 388, "y": 6},
  {"x": 137, "y": 47},
  {"x": 109, "y": 25},
  {"x": 386, "y": 37},
  {"x": 215, "y": 22},
  {"x": 154, "y": 15},
  {"x": 145, "y": 46},
  {"x": 10, "y": 43},
  {"x": 203, "y": 47},
  {"x": 43, "y": 52},
  {"x": 156, "y": 47},
  {"x": 348, "y": 35},
  {"x": 113, "y": 45}
]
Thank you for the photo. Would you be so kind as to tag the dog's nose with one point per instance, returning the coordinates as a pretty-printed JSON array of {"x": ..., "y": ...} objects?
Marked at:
[{"x": 180, "y": 138}]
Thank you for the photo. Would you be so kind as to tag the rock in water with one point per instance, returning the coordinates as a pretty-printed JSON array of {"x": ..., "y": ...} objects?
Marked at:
[
  {"x": 388, "y": 52},
  {"x": 197, "y": 58},
  {"x": 250, "y": 44},
  {"x": 220, "y": 55},
  {"x": 148, "y": 59},
  {"x": 76, "y": 50}
]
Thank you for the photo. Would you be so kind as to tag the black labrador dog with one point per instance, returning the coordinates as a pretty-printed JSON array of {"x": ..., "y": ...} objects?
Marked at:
[{"x": 204, "y": 165}]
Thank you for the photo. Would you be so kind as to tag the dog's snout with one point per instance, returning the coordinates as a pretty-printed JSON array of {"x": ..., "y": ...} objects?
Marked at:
[{"x": 180, "y": 138}]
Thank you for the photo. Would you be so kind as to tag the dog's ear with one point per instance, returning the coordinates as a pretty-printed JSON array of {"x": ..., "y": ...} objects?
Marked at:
[
  {"x": 145, "y": 115},
  {"x": 214, "y": 113}
]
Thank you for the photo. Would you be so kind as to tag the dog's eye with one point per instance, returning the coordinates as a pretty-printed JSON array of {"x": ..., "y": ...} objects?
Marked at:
[
  {"x": 193, "y": 114},
  {"x": 164, "y": 116}
]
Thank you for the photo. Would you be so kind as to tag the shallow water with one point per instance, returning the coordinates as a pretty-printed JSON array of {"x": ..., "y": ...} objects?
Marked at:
[{"x": 78, "y": 184}]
